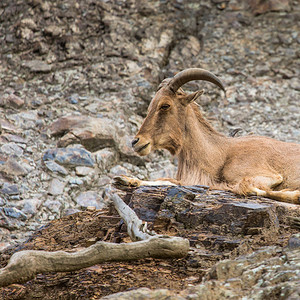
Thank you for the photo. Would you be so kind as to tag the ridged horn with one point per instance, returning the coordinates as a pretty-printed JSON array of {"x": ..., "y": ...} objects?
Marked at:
[{"x": 187, "y": 75}]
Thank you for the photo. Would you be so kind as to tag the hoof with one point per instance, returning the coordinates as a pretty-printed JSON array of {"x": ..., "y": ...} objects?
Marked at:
[{"x": 125, "y": 182}]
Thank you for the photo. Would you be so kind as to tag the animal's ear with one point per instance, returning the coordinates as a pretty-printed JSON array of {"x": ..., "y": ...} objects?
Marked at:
[{"x": 193, "y": 97}]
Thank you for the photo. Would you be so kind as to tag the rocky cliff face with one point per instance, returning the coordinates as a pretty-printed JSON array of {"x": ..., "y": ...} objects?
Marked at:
[{"x": 77, "y": 77}]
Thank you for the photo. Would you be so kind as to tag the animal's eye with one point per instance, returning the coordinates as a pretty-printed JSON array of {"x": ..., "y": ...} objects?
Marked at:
[{"x": 164, "y": 107}]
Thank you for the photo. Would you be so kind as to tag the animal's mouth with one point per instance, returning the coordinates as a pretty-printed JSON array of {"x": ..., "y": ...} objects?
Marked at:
[{"x": 140, "y": 149}]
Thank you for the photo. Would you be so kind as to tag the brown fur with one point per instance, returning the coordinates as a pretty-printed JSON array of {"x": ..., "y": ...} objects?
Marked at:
[{"x": 245, "y": 165}]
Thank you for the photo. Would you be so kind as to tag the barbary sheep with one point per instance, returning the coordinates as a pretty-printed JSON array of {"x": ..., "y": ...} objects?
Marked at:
[{"x": 248, "y": 165}]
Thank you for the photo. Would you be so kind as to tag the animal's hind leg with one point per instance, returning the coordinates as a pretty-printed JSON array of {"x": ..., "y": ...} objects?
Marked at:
[{"x": 263, "y": 185}]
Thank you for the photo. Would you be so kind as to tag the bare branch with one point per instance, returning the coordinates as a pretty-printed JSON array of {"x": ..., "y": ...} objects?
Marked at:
[{"x": 135, "y": 228}]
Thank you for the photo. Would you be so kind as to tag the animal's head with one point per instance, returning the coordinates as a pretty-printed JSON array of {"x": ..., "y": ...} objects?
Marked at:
[{"x": 164, "y": 124}]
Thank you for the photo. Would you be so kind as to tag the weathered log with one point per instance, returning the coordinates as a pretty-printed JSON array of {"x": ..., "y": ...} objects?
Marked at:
[{"x": 24, "y": 265}]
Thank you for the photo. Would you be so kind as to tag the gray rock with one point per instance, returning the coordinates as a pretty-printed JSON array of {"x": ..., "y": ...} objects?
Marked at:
[
  {"x": 14, "y": 213},
  {"x": 56, "y": 187},
  {"x": 12, "y": 167},
  {"x": 14, "y": 138},
  {"x": 105, "y": 159},
  {"x": 262, "y": 70},
  {"x": 70, "y": 156},
  {"x": 4, "y": 245},
  {"x": 25, "y": 119},
  {"x": 10, "y": 189},
  {"x": 31, "y": 206},
  {"x": 117, "y": 171},
  {"x": 56, "y": 168},
  {"x": 12, "y": 149},
  {"x": 12, "y": 101},
  {"x": 294, "y": 241},
  {"x": 89, "y": 198},
  {"x": 145, "y": 293},
  {"x": 37, "y": 66},
  {"x": 84, "y": 171},
  {"x": 53, "y": 30},
  {"x": 53, "y": 205},
  {"x": 8, "y": 222},
  {"x": 75, "y": 181},
  {"x": 104, "y": 180},
  {"x": 2, "y": 201}
]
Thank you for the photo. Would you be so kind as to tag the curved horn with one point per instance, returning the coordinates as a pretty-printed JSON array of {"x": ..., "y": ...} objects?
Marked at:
[{"x": 193, "y": 74}]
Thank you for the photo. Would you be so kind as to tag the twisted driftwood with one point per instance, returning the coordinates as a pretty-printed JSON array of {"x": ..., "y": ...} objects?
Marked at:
[{"x": 24, "y": 265}]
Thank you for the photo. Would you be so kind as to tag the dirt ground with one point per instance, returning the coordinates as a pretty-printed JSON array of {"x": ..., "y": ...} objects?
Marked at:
[{"x": 81, "y": 230}]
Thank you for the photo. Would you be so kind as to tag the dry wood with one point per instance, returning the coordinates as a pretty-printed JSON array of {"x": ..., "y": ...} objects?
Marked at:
[
  {"x": 135, "y": 228},
  {"x": 24, "y": 265}
]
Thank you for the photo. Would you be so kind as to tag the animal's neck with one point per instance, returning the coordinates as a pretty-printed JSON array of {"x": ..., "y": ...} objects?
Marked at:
[{"x": 203, "y": 152}]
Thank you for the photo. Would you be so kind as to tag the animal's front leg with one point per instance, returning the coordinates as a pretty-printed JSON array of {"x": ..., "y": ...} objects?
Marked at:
[{"x": 125, "y": 181}]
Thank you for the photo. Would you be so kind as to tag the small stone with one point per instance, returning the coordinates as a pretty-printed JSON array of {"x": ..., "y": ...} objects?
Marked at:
[
  {"x": 2, "y": 201},
  {"x": 286, "y": 74},
  {"x": 261, "y": 7},
  {"x": 53, "y": 30},
  {"x": 12, "y": 167},
  {"x": 104, "y": 180},
  {"x": 105, "y": 159},
  {"x": 90, "y": 198},
  {"x": 14, "y": 213},
  {"x": 73, "y": 99},
  {"x": 4, "y": 245},
  {"x": 8, "y": 223},
  {"x": 56, "y": 187},
  {"x": 10, "y": 189},
  {"x": 12, "y": 149},
  {"x": 13, "y": 138},
  {"x": 53, "y": 205},
  {"x": 294, "y": 241},
  {"x": 75, "y": 181},
  {"x": 27, "y": 22},
  {"x": 295, "y": 84},
  {"x": 6, "y": 126},
  {"x": 117, "y": 171},
  {"x": 12, "y": 101},
  {"x": 37, "y": 66},
  {"x": 56, "y": 168},
  {"x": 31, "y": 206},
  {"x": 167, "y": 171},
  {"x": 262, "y": 70},
  {"x": 83, "y": 171}
]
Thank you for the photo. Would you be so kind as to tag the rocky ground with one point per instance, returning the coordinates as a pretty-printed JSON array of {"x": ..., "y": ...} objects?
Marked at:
[
  {"x": 69, "y": 68},
  {"x": 240, "y": 248}
]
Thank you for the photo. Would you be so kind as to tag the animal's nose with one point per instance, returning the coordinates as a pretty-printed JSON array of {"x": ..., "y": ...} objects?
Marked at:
[{"x": 134, "y": 142}]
